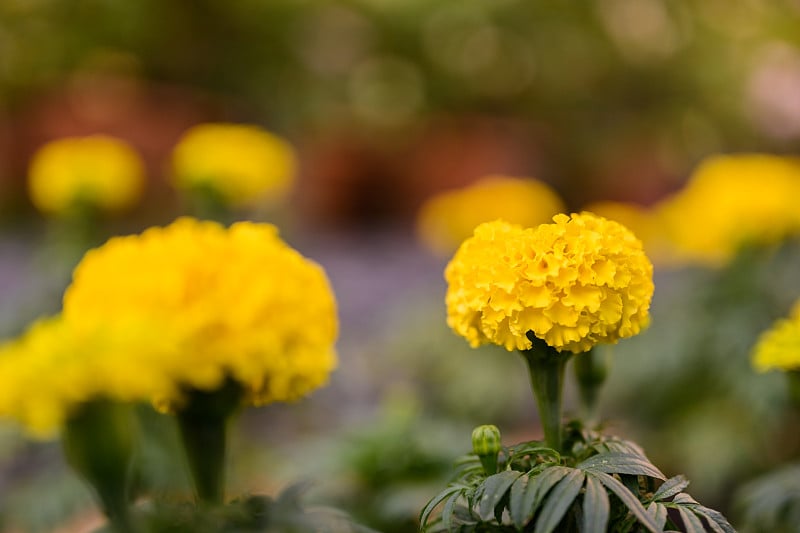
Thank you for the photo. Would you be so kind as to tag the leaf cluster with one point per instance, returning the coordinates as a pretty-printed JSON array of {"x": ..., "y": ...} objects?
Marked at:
[
  {"x": 599, "y": 484},
  {"x": 285, "y": 513},
  {"x": 771, "y": 502}
]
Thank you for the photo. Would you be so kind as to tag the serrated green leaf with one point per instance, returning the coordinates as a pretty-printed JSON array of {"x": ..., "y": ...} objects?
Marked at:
[
  {"x": 671, "y": 487},
  {"x": 713, "y": 525},
  {"x": 448, "y": 510},
  {"x": 529, "y": 448},
  {"x": 691, "y": 523},
  {"x": 539, "y": 483},
  {"x": 717, "y": 518},
  {"x": 515, "y": 506},
  {"x": 595, "y": 507},
  {"x": 435, "y": 501},
  {"x": 630, "y": 501},
  {"x": 659, "y": 513},
  {"x": 558, "y": 501},
  {"x": 621, "y": 463},
  {"x": 494, "y": 488},
  {"x": 684, "y": 499}
]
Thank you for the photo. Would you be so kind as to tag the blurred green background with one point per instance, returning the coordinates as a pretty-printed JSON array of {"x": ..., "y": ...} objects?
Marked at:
[{"x": 388, "y": 102}]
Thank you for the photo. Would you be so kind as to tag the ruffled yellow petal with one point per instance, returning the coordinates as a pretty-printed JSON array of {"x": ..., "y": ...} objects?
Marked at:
[{"x": 580, "y": 281}]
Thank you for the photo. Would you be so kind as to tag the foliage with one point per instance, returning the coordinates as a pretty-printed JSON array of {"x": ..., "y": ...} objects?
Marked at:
[
  {"x": 601, "y": 484},
  {"x": 285, "y": 513},
  {"x": 703, "y": 393},
  {"x": 771, "y": 502}
]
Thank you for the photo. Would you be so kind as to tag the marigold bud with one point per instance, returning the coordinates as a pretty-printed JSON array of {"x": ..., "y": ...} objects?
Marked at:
[{"x": 486, "y": 440}]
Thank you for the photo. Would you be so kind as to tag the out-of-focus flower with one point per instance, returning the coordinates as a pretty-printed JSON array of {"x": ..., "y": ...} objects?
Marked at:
[
  {"x": 732, "y": 201},
  {"x": 445, "y": 220},
  {"x": 243, "y": 164},
  {"x": 97, "y": 171},
  {"x": 779, "y": 347},
  {"x": 240, "y": 303},
  {"x": 55, "y": 366},
  {"x": 580, "y": 281},
  {"x": 643, "y": 222}
]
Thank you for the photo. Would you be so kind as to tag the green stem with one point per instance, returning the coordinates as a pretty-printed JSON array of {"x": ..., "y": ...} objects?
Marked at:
[
  {"x": 98, "y": 442},
  {"x": 546, "y": 367},
  {"x": 202, "y": 423}
]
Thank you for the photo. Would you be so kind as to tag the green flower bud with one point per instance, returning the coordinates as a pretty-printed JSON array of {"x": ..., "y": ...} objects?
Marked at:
[
  {"x": 486, "y": 440},
  {"x": 486, "y": 445}
]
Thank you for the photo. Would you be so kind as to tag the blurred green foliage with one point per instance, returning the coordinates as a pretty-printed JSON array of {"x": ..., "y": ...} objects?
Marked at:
[
  {"x": 686, "y": 387},
  {"x": 601, "y": 83}
]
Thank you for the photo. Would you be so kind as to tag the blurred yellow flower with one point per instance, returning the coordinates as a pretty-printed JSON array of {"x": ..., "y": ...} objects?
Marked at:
[
  {"x": 446, "y": 219},
  {"x": 98, "y": 171},
  {"x": 238, "y": 301},
  {"x": 731, "y": 201},
  {"x": 779, "y": 347},
  {"x": 55, "y": 366},
  {"x": 643, "y": 222},
  {"x": 580, "y": 281},
  {"x": 243, "y": 164}
]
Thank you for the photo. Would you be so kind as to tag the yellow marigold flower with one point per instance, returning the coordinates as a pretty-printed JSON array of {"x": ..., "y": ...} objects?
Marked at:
[
  {"x": 55, "y": 366},
  {"x": 445, "y": 220},
  {"x": 730, "y": 201},
  {"x": 100, "y": 171},
  {"x": 779, "y": 347},
  {"x": 239, "y": 302},
  {"x": 243, "y": 164},
  {"x": 580, "y": 281}
]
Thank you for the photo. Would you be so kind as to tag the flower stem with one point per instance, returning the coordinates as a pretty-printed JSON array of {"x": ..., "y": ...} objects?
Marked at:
[
  {"x": 98, "y": 442},
  {"x": 202, "y": 423},
  {"x": 546, "y": 367}
]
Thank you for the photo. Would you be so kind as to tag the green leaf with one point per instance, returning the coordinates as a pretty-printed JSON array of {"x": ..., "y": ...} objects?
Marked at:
[
  {"x": 595, "y": 507},
  {"x": 659, "y": 513},
  {"x": 494, "y": 488},
  {"x": 524, "y": 502},
  {"x": 448, "y": 510},
  {"x": 630, "y": 501},
  {"x": 684, "y": 499},
  {"x": 559, "y": 500},
  {"x": 519, "y": 489},
  {"x": 436, "y": 500},
  {"x": 671, "y": 487},
  {"x": 621, "y": 463},
  {"x": 715, "y": 519},
  {"x": 691, "y": 524},
  {"x": 535, "y": 448}
]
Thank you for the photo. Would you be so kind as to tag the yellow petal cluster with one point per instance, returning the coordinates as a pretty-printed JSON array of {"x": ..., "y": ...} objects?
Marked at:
[
  {"x": 779, "y": 347},
  {"x": 580, "y": 281},
  {"x": 734, "y": 200},
  {"x": 445, "y": 220},
  {"x": 238, "y": 301},
  {"x": 98, "y": 170},
  {"x": 54, "y": 367},
  {"x": 242, "y": 163}
]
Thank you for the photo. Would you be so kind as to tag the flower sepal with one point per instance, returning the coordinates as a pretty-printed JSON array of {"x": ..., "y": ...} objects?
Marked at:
[{"x": 99, "y": 441}]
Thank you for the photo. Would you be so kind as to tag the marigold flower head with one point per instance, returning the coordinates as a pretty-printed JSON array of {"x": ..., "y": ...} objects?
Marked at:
[
  {"x": 445, "y": 220},
  {"x": 580, "y": 281},
  {"x": 242, "y": 163},
  {"x": 98, "y": 170},
  {"x": 730, "y": 201},
  {"x": 239, "y": 302},
  {"x": 779, "y": 347},
  {"x": 55, "y": 366}
]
